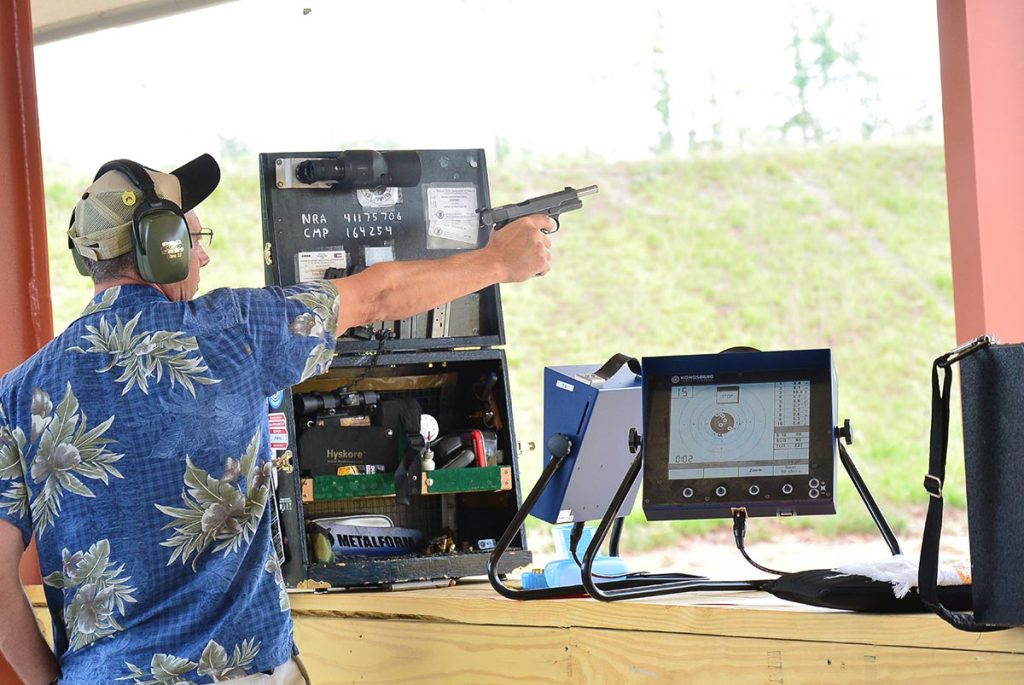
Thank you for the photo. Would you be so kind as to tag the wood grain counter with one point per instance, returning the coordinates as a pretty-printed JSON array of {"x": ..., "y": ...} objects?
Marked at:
[{"x": 468, "y": 634}]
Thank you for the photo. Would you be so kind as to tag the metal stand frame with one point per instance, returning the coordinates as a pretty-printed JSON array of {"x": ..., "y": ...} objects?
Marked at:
[
  {"x": 614, "y": 523},
  {"x": 630, "y": 590},
  {"x": 513, "y": 529}
]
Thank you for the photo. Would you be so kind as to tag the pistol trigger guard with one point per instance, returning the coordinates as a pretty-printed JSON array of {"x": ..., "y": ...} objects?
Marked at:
[{"x": 558, "y": 225}]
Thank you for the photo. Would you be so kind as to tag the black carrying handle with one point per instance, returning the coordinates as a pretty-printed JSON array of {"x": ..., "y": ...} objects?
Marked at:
[
  {"x": 612, "y": 366},
  {"x": 928, "y": 569}
]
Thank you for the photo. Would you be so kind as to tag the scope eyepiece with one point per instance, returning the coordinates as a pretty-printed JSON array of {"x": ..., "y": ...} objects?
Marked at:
[
  {"x": 354, "y": 169},
  {"x": 313, "y": 171}
]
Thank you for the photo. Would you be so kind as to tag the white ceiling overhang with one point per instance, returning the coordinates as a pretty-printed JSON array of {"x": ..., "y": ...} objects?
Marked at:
[{"x": 57, "y": 19}]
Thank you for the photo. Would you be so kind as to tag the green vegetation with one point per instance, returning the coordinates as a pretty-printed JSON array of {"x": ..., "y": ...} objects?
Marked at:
[{"x": 839, "y": 247}]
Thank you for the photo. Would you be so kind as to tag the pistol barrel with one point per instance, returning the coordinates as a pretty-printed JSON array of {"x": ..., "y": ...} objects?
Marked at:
[{"x": 552, "y": 204}]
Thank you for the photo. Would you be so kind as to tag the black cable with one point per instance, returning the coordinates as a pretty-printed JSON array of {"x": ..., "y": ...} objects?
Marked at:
[
  {"x": 574, "y": 541},
  {"x": 382, "y": 336},
  {"x": 635, "y": 574},
  {"x": 739, "y": 531}
]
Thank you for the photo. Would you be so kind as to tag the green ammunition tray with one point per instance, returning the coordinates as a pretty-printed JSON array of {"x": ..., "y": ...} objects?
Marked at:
[{"x": 441, "y": 481}]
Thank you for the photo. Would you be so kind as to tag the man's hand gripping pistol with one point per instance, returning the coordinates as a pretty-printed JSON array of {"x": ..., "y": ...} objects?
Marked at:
[{"x": 551, "y": 205}]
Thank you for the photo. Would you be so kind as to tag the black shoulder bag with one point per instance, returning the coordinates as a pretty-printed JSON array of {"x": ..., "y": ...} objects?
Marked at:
[{"x": 992, "y": 394}]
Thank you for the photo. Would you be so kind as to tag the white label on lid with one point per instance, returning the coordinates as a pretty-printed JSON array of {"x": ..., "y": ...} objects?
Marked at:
[
  {"x": 376, "y": 255},
  {"x": 452, "y": 214},
  {"x": 312, "y": 265},
  {"x": 375, "y": 198},
  {"x": 564, "y": 386},
  {"x": 564, "y": 516}
]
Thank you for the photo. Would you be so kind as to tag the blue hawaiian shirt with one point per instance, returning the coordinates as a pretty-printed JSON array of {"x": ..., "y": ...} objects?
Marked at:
[{"x": 135, "y": 447}]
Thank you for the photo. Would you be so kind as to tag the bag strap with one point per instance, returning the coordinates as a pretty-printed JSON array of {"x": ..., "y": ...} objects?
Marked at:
[{"x": 928, "y": 570}]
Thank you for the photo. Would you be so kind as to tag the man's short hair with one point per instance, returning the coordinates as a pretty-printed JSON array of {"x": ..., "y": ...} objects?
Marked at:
[{"x": 104, "y": 270}]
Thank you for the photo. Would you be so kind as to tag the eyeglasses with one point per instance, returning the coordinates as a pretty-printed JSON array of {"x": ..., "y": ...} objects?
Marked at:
[{"x": 203, "y": 237}]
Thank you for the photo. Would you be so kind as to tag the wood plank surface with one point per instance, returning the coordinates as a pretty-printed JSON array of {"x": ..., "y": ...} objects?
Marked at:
[
  {"x": 469, "y": 634},
  {"x": 612, "y": 656},
  {"x": 337, "y": 650},
  {"x": 743, "y": 614}
]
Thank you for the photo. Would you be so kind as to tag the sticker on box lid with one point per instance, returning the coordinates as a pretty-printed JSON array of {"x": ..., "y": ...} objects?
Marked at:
[
  {"x": 376, "y": 255},
  {"x": 375, "y": 198},
  {"x": 276, "y": 400},
  {"x": 564, "y": 516},
  {"x": 278, "y": 430},
  {"x": 452, "y": 213},
  {"x": 564, "y": 386},
  {"x": 310, "y": 266}
]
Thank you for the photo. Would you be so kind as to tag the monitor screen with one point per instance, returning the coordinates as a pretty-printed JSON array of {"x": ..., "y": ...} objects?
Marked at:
[{"x": 747, "y": 429}]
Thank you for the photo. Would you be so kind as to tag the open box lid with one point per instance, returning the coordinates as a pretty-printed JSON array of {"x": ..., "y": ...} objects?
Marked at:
[{"x": 326, "y": 214}]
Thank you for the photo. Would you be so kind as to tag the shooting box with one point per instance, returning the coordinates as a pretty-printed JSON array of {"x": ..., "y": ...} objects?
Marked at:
[{"x": 343, "y": 434}]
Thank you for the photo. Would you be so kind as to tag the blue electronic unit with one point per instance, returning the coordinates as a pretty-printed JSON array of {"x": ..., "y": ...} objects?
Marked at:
[
  {"x": 751, "y": 430},
  {"x": 596, "y": 415}
]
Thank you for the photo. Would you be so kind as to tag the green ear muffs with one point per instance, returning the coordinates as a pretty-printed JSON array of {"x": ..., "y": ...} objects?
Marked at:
[{"x": 161, "y": 241}]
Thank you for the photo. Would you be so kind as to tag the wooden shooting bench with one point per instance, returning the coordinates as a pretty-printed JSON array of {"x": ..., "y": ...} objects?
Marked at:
[{"x": 468, "y": 634}]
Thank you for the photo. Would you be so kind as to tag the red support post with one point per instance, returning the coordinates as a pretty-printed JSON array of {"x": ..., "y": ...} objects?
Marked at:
[
  {"x": 981, "y": 49},
  {"x": 25, "y": 276}
]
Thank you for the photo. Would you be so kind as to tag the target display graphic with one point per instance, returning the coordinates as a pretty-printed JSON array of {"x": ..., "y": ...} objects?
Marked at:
[{"x": 743, "y": 430}]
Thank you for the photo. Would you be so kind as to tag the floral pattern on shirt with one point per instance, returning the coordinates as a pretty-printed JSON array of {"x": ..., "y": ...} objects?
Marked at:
[
  {"x": 14, "y": 497},
  {"x": 320, "y": 322},
  {"x": 167, "y": 669},
  {"x": 218, "y": 510},
  {"x": 147, "y": 354},
  {"x": 67, "y": 449},
  {"x": 273, "y": 567},
  {"x": 106, "y": 301},
  {"x": 96, "y": 588}
]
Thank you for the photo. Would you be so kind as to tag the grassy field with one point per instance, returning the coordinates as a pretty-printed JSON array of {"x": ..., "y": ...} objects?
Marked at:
[{"x": 846, "y": 248}]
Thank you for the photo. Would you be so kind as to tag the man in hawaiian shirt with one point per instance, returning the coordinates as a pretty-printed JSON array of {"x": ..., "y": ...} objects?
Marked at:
[{"x": 134, "y": 447}]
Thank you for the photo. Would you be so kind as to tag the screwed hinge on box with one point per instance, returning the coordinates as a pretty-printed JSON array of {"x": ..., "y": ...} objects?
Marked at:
[{"x": 284, "y": 462}]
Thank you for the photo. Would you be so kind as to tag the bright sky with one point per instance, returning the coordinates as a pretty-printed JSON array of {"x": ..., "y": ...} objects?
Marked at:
[{"x": 551, "y": 76}]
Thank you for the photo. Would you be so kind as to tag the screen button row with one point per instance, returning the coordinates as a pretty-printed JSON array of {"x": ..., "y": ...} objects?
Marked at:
[{"x": 753, "y": 491}]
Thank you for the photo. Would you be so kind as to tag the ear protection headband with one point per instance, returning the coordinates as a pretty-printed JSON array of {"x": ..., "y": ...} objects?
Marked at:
[{"x": 161, "y": 242}]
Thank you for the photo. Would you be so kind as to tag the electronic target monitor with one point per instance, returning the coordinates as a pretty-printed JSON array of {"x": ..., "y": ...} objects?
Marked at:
[{"x": 739, "y": 429}]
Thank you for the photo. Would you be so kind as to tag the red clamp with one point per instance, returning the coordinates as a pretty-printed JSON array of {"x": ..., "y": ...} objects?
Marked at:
[{"x": 478, "y": 447}]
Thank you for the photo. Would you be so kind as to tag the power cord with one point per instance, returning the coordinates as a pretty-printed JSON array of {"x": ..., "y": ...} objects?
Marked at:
[{"x": 739, "y": 531}]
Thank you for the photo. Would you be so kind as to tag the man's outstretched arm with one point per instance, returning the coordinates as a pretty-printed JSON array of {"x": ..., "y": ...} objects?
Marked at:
[
  {"x": 397, "y": 290},
  {"x": 20, "y": 640}
]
